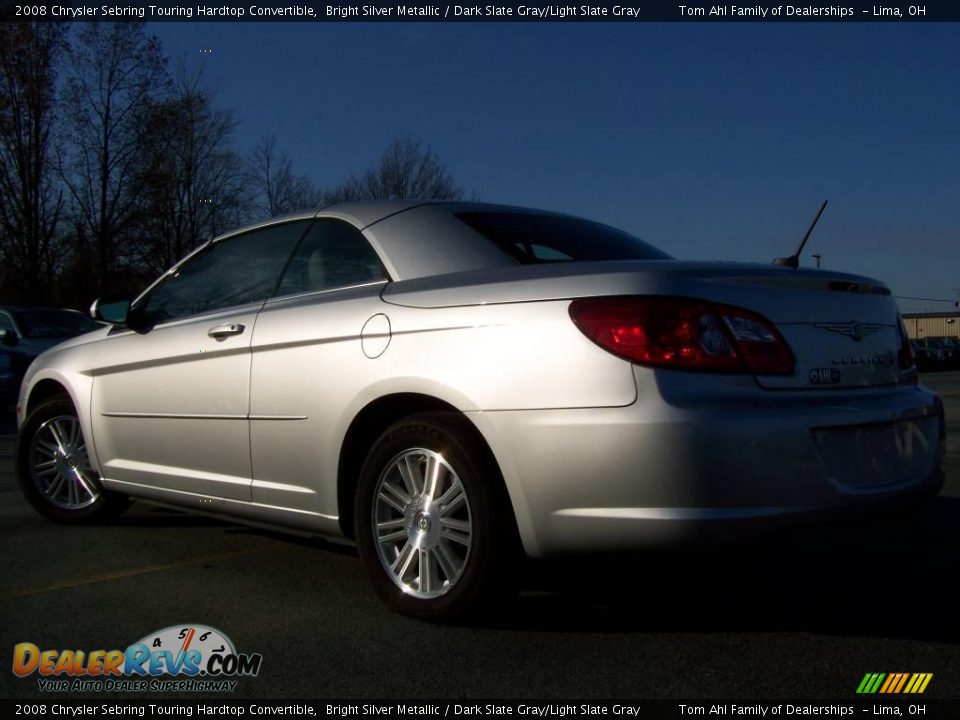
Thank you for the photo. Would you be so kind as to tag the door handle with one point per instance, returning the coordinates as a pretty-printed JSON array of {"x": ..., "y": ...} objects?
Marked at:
[{"x": 221, "y": 332}]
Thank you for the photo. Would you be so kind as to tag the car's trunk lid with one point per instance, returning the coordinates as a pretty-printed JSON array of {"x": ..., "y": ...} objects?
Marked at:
[{"x": 842, "y": 329}]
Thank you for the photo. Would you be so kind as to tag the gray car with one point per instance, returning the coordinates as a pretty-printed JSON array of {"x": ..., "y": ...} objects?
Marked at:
[{"x": 453, "y": 384}]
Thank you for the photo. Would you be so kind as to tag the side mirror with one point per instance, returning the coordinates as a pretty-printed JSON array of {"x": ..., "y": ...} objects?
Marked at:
[
  {"x": 8, "y": 338},
  {"x": 113, "y": 310}
]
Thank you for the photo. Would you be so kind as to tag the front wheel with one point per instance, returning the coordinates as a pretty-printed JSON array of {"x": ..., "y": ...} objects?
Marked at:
[
  {"x": 433, "y": 526},
  {"x": 54, "y": 471}
]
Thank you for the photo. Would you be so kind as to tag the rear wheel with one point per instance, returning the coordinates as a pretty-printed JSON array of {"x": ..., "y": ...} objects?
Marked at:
[
  {"x": 54, "y": 471},
  {"x": 434, "y": 530}
]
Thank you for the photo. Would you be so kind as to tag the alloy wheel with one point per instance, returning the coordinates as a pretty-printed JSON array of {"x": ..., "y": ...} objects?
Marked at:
[
  {"x": 59, "y": 465},
  {"x": 422, "y": 523}
]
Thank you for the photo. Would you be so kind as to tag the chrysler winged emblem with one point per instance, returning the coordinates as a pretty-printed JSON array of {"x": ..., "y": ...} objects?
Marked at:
[{"x": 854, "y": 330}]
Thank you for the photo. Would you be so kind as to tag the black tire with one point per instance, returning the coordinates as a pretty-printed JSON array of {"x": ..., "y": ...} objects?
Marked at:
[
  {"x": 487, "y": 563},
  {"x": 35, "y": 444}
]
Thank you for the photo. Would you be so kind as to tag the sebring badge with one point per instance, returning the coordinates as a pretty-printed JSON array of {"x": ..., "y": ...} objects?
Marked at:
[{"x": 854, "y": 330}]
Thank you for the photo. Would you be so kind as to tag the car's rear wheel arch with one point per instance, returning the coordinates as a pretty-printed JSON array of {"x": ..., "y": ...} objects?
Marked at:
[{"x": 371, "y": 422}]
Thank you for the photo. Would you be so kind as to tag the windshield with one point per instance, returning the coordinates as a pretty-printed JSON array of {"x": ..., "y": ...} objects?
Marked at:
[
  {"x": 37, "y": 324},
  {"x": 531, "y": 238}
]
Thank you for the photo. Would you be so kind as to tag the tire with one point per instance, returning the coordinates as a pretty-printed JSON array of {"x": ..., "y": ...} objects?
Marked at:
[
  {"x": 61, "y": 485},
  {"x": 436, "y": 555}
]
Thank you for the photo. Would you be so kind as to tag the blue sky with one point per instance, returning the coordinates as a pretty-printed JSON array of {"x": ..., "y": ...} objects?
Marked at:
[{"x": 712, "y": 141}]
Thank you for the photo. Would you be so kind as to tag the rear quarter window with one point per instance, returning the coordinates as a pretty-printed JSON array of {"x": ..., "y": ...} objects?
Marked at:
[{"x": 531, "y": 238}]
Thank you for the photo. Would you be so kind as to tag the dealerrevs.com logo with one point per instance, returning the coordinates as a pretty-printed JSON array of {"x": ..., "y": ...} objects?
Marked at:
[{"x": 184, "y": 658}]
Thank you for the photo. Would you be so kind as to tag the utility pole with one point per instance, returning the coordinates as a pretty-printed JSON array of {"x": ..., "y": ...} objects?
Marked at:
[{"x": 817, "y": 256}]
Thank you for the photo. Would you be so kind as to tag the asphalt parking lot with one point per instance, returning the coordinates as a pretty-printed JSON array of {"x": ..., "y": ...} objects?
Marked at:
[{"x": 801, "y": 615}]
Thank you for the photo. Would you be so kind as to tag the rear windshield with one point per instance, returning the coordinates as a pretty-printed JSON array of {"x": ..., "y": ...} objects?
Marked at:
[{"x": 531, "y": 238}]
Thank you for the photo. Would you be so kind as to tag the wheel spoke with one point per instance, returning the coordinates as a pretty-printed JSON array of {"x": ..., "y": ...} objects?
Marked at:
[
  {"x": 389, "y": 538},
  {"x": 54, "y": 486},
  {"x": 409, "y": 474},
  {"x": 401, "y": 556},
  {"x": 399, "y": 494},
  {"x": 390, "y": 500},
  {"x": 446, "y": 560},
  {"x": 426, "y": 570},
  {"x": 83, "y": 482},
  {"x": 432, "y": 472},
  {"x": 452, "y": 499},
  {"x": 391, "y": 530},
  {"x": 57, "y": 434},
  {"x": 454, "y": 536},
  {"x": 407, "y": 560},
  {"x": 461, "y": 526}
]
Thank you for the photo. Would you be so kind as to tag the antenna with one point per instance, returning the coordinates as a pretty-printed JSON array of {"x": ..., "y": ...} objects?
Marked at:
[{"x": 794, "y": 260}]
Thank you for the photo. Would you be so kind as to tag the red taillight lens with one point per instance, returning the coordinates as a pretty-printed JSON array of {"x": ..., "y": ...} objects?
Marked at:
[
  {"x": 905, "y": 359},
  {"x": 684, "y": 333}
]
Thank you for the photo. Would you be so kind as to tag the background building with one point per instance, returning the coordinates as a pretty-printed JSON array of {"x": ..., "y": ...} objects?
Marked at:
[{"x": 932, "y": 324}]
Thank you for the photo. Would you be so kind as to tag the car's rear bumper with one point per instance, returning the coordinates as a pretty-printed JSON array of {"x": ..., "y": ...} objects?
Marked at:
[{"x": 686, "y": 461}]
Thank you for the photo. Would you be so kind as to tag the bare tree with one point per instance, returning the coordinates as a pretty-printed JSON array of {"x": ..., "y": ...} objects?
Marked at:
[
  {"x": 407, "y": 169},
  {"x": 195, "y": 181},
  {"x": 277, "y": 188},
  {"x": 117, "y": 75},
  {"x": 30, "y": 196}
]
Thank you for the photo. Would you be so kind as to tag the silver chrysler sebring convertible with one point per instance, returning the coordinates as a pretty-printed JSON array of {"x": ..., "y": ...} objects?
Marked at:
[{"x": 452, "y": 384}]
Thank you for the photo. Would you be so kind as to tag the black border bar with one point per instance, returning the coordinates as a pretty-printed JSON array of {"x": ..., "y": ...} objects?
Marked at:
[
  {"x": 626, "y": 11},
  {"x": 916, "y": 706}
]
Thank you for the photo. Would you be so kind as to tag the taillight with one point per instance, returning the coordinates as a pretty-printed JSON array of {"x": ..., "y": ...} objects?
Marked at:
[
  {"x": 905, "y": 359},
  {"x": 683, "y": 333}
]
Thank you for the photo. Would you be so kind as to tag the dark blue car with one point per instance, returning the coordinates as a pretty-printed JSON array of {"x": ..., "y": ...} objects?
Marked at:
[{"x": 25, "y": 332}]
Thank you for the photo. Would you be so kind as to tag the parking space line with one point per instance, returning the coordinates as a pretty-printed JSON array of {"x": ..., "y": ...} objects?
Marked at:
[{"x": 120, "y": 574}]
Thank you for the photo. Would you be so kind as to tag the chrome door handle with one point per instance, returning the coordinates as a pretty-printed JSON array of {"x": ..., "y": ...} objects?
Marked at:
[{"x": 222, "y": 331}]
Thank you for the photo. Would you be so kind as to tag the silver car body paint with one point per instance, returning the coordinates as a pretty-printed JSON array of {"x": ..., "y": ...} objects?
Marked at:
[{"x": 596, "y": 453}]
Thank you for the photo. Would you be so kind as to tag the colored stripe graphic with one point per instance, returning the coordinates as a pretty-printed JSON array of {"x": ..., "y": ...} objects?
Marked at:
[
  {"x": 903, "y": 680},
  {"x": 894, "y": 683},
  {"x": 918, "y": 683}
]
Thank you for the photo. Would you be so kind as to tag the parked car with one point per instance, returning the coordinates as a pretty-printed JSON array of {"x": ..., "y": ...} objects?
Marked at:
[
  {"x": 949, "y": 357},
  {"x": 938, "y": 356},
  {"x": 926, "y": 358},
  {"x": 25, "y": 332},
  {"x": 953, "y": 345},
  {"x": 451, "y": 383},
  {"x": 9, "y": 388}
]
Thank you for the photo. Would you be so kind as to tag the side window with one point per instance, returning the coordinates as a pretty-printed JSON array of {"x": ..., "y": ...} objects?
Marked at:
[
  {"x": 236, "y": 271},
  {"x": 332, "y": 254}
]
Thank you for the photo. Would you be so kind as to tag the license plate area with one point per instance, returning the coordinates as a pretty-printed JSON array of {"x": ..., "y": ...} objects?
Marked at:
[{"x": 864, "y": 457}]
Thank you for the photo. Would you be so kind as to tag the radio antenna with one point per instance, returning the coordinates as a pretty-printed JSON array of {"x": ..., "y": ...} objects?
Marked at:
[{"x": 794, "y": 260}]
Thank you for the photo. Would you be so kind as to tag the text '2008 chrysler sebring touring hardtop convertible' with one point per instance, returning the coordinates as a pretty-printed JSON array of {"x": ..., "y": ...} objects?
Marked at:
[{"x": 452, "y": 383}]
